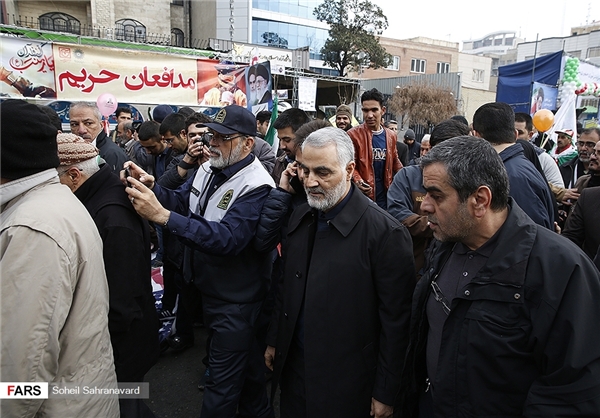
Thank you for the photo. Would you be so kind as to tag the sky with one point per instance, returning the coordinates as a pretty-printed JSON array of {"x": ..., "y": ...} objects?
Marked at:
[{"x": 461, "y": 20}]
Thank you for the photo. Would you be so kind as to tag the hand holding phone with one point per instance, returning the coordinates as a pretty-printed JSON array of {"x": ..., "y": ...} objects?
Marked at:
[{"x": 127, "y": 174}]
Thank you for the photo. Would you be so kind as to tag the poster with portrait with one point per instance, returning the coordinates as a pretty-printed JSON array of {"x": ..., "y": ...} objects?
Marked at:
[
  {"x": 258, "y": 80},
  {"x": 27, "y": 69},
  {"x": 221, "y": 83},
  {"x": 543, "y": 97}
]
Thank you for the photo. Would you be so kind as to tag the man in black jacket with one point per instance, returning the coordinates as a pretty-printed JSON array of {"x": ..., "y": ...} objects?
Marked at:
[
  {"x": 339, "y": 331},
  {"x": 132, "y": 318},
  {"x": 505, "y": 319},
  {"x": 86, "y": 122}
]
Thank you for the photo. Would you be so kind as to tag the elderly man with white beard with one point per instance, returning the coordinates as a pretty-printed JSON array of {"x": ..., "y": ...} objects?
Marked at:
[
  {"x": 215, "y": 213},
  {"x": 340, "y": 329}
]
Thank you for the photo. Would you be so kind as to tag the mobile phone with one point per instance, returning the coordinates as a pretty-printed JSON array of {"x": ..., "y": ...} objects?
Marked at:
[{"x": 127, "y": 174}]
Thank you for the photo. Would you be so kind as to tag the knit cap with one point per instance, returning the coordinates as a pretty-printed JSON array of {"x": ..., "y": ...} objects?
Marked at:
[
  {"x": 344, "y": 110},
  {"x": 28, "y": 140},
  {"x": 73, "y": 149}
]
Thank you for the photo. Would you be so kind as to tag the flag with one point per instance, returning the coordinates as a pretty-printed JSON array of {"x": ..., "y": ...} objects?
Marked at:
[
  {"x": 271, "y": 136},
  {"x": 565, "y": 118}
]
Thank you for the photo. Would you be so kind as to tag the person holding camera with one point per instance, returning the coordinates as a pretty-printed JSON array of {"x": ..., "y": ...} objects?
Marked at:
[{"x": 215, "y": 213}]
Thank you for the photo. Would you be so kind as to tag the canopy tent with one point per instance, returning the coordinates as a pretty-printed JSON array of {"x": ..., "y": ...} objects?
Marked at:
[{"x": 515, "y": 80}]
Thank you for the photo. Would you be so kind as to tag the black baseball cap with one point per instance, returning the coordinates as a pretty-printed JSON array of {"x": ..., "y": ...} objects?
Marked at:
[{"x": 233, "y": 119}]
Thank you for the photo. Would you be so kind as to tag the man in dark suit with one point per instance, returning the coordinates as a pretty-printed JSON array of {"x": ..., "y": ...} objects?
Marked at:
[
  {"x": 338, "y": 338},
  {"x": 583, "y": 224}
]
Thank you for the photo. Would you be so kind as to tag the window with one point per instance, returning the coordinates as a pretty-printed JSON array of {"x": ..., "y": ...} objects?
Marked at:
[
  {"x": 178, "y": 2},
  {"x": 576, "y": 54},
  {"x": 417, "y": 66},
  {"x": 478, "y": 75},
  {"x": 395, "y": 65},
  {"x": 130, "y": 30},
  {"x": 589, "y": 102},
  {"x": 60, "y": 22},
  {"x": 593, "y": 52},
  {"x": 443, "y": 67},
  {"x": 177, "y": 37}
]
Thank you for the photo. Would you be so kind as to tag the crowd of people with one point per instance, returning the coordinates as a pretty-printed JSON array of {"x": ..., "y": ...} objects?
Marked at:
[{"x": 449, "y": 275}]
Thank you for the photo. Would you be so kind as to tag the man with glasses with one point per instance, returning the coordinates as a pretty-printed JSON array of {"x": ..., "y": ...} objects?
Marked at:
[
  {"x": 504, "y": 321},
  {"x": 578, "y": 166},
  {"x": 592, "y": 179},
  {"x": 215, "y": 214}
]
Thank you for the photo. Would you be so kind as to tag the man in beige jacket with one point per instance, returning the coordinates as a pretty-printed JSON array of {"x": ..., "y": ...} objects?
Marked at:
[{"x": 54, "y": 294}]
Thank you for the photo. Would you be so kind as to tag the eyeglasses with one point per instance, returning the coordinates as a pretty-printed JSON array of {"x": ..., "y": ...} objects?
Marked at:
[
  {"x": 439, "y": 296},
  {"x": 208, "y": 136},
  {"x": 587, "y": 144},
  {"x": 169, "y": 140}
]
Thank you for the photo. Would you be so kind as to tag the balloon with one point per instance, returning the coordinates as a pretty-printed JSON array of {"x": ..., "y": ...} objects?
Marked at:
[
  {"x": 543, "y": 120},
  {"x": 107, "y": 103}
]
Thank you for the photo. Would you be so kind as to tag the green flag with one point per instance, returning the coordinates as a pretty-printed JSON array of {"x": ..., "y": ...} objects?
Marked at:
[{"x": 271, "y": 136}]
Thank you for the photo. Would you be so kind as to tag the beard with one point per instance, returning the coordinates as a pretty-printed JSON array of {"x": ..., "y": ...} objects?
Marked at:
[
  {"x": 456, "y": 229},
  {"x": 221, "y": 162},
  {"x": 329, "y": 198}
]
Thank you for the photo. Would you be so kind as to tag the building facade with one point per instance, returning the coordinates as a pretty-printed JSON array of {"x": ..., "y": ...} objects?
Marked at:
[
  {"x": 585, "y": 46},
  {"x": 158, "y": 22}
]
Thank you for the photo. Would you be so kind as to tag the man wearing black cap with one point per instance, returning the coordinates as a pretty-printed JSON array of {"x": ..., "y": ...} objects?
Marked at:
[
  {"x": 414, "y": 148},
  {"x": 54, "y": 294},
  {"x": 215, "y": 214}
]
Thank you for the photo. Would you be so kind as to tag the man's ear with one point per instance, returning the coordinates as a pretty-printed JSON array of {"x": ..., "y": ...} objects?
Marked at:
[
  {"x": 350, "y": 170},
  {"x": 481, "y": 201},
  {"x": 249, "y": 143}
]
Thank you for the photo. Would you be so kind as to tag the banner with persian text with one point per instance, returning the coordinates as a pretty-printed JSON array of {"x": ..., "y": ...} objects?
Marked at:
[
  {"x": 27, "y": 69},
  {"x": 83, "y": 73}
]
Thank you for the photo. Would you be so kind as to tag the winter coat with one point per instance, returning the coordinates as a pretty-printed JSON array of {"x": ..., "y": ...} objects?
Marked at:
[
  {"x": 522, "y": 337},
  {"x": 356, "y": 282},
  {"x": 113, "y": 154},
  {"x": 132, "y": 317},
  {"x": 528, "y": 187},
  {"x": 54, "y": 299},
  {"x": 583, "y": 224}
]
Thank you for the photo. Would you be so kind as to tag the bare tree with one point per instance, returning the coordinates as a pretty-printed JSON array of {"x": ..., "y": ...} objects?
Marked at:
[{"x": 423, "y": 103}]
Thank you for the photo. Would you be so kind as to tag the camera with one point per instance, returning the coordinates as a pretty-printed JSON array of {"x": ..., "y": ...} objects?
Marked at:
[{"x": 204, "y": 138}]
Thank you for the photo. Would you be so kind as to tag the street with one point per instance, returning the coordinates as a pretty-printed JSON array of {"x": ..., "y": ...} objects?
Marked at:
[{"x": 174, "y": 381}]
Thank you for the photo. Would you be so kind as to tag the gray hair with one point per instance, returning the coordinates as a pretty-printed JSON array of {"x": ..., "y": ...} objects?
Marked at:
[
  {"x": 88, "y": 167},
  {"x": 329, "y": 135},
  {"x": 89, "y": 105},
  {"x": 470, "y": 163}
]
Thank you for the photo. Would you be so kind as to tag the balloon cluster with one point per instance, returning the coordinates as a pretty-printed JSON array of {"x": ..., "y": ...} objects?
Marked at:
[
  {"x": 569, "y": 81},
  {"x": 588, "y": 89}
]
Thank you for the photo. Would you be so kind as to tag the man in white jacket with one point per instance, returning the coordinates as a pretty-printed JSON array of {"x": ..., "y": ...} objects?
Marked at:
[{"x": 54, "y": 294}]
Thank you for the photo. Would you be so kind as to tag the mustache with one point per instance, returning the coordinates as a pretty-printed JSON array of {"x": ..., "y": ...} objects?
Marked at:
[
  {"x": 214, "y": 151},
  {"x": 315, "y": 189}
]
